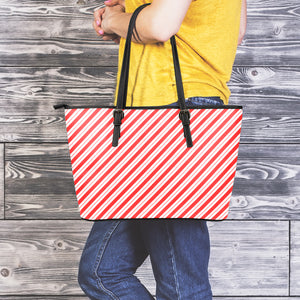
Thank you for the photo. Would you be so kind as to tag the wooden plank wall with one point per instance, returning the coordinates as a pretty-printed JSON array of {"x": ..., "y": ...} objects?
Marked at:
[{"x": 50, "y": 54}]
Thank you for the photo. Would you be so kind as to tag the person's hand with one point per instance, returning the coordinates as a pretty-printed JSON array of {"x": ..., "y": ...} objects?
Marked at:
[
  {"x": 97, "y": 26},
  {"x": 99, "y": 16},
  {"x": 110, "y": 16}
]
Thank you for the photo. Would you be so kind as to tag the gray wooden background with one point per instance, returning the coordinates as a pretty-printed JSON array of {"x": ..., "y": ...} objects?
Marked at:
[{"x": 50, "y": 54}]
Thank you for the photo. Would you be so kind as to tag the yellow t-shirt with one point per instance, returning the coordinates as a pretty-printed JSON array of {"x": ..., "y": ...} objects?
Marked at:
[{"x": 206, "y": 43}]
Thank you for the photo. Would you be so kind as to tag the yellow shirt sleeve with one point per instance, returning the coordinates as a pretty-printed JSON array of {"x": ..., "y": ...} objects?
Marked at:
[{"x": 206, "y": 42}]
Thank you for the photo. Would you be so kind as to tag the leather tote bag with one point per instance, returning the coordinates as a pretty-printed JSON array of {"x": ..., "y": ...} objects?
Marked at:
[{"x": 153, "y": 162}]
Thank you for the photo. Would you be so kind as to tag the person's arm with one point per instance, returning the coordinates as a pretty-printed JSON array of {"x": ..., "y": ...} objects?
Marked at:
[
  {"x": 243, "y": 22},
  {"x": 155, "y": 23}
]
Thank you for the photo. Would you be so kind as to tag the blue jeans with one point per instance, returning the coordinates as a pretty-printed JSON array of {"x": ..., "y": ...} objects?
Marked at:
[{"x": 179, "y": 251}]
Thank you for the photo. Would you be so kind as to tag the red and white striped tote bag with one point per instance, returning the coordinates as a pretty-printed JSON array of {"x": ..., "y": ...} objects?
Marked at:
[{"x": 153, "y": 162}]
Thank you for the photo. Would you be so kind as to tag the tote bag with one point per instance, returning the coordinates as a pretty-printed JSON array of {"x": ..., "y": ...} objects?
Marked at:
[{"x": 153, "y": 162}]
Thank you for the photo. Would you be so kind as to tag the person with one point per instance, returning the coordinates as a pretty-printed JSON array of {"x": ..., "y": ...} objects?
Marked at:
[{"x": 207, "y": 35}]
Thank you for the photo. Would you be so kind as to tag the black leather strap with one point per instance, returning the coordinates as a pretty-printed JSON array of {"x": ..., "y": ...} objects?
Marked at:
[
  {"x": 123, "y": 82},
  {"x": 184, "y": 114}
]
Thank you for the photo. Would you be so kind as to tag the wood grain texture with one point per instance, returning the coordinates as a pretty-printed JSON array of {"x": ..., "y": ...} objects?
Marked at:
[
  {"x": 1, "y": 181},
  {"x": 267, "y": 182},
  {"x": 59, "y": 33},
  {"x": 50, "y": 54},
  {"x": 270, "y": 97},
  {"x": 295, "y": 258},
  {"x": 43, "y": 182},
  {"x": 39, "y": 182},
  {"x": 41, "y": 257},
  {"x": 234, "y": 276},
  {"x": 34, "y": 91}
]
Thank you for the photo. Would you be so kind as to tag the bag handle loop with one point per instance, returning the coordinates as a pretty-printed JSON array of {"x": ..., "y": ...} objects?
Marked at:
[{"x": 118, "y": 113}]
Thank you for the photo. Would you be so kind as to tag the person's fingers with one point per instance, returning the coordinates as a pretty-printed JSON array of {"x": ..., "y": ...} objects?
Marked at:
[
  {"x": 98, "y": 29},
  {"x": 98, "y": 15},
  {"x": 115, "y": 2}
]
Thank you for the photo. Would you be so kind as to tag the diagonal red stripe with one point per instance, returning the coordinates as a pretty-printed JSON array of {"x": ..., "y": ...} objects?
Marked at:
[
  {"x": 192, "y": 181},
  {"x": 225, "y": 204},
  {"x": 217, "y": 191},
  {"x": 94, "y": 150},
  {"x": 160, "y": 166},
  {"x": 127, "y": 164},
  {"x": 69, "y": 113},
  {"x": 99, "y": 156},
  {"x": 83, "y": 125},
  {"x": 128, "y": 128},
  {"x": 149, "y": 163},
  {"x": 221, "y": 199},
  {"x": 91, "y": 126},
  {"x": 77, "y": 118},
  {"x": 120, "y": 158},
  {"x": 209, "y": 187}
]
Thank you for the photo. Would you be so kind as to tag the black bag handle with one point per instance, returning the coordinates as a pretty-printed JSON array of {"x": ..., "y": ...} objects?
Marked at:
[{"x": 184, "y": 114}]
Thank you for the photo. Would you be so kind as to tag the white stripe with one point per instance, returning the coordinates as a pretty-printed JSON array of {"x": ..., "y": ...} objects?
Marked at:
[
  {"x": 139, "y": 193},
  {"x": 92, "y": 147},
  {"x": 187, "y": 178},
  {"x": 90, "y": 166},
  {"x": 86, "y": 213},
  {"x": 199, "y": 183},
  {"x": 208, "y": 206},
  {"x": 79, "y": 122},
  {"x": 73, "y": 117},
  {"x": 86, "y": 128},
  {"x": 141, "y": 154},
  {"x": 158, "y": 185},
  {"x": 205, "y": 198},
  {"x": 222, "y": 204}
]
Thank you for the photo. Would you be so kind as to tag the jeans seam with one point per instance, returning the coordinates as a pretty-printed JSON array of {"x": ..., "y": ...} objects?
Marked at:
[
  {"x": 99, "y": 257},
  {"x": 173, "y": 262}
]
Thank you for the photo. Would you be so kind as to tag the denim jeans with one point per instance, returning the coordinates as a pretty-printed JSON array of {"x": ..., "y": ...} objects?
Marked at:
[{"x": 179, "y": 251}]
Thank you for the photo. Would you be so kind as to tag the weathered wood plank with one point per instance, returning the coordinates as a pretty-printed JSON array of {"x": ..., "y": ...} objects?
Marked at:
[
  {"x": 60, "y": 33},
  {"x": 41, "y": 257},
  {"x": 39, "y": 182},
  {"x": 269, "y": 96},
  {"x": 1, "y": 181},
  {"x": 295, "y": 258},
  {"x": 258, "y": 246},
  {"x": 34, "y": 91},
  {"x": 57, "y": 52},
  {"x": 267, "y": 182}
]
